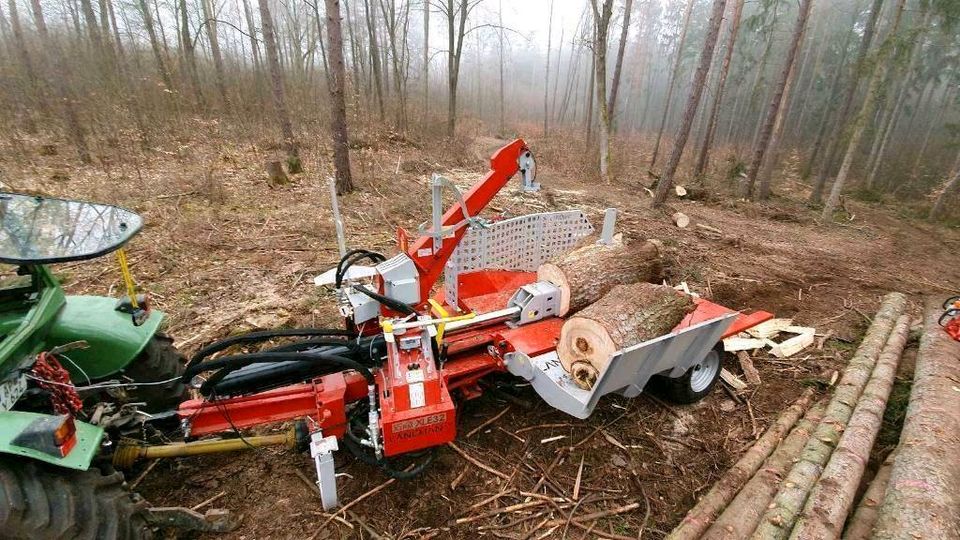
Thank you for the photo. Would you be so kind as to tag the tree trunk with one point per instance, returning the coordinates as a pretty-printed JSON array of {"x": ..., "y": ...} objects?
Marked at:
[
  {"x": 62, "y": 80},
  {"x": 923, "y": 496},
  {"x": 252, "y": 35},
  {"x": 693, "y": 101},
  {"x": 625, "y": 316},
  {"x": 214, "y": 38},
  {"x": 93, "y": 28},
  {"x": 770, "y": 160},
  {"x": 587, "y": 273},
  {"x": 456, "y": 29},
  {"x": 338, "y": 109},
  {"x": 851, "y": 91},
  {"x": 155, "y": 45},
  {"x": 781, "y": 514},
  {"x": 673, "y": 80},
  {"x": 375, "y": 55},
  {"x": 699, "y": 518},
  {"x": 860, "y": 525},
  {"x": 866, "y": 110},
  {"x": 36, "y": 85},
  {"x": 546, "y": 75},
  {"x": 615, "y": 83},
  {"x": 938, "y": 210},
  {"x": 834, "y": 494},
  {"x": 601, "y": 17},
  {"x": 279, "y": 93},
  {"x": 739, "y": 518},
  {"x": 763, "y": 140},
  {"x": 426, "y": 62},
  {"x": 703, "y": 157},
  {"x": 190, "y": 56},
  {"x": 502, "y": 127}
]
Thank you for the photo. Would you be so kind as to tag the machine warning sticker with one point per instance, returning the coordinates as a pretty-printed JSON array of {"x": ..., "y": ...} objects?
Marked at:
[{"x": 419, "y": 423}]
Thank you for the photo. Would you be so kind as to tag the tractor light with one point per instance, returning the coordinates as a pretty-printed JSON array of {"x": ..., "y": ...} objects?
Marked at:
[{"x": 53, "y": 435}]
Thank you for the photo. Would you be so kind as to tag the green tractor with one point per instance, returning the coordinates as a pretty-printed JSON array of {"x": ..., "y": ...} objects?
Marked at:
[{"x": 75, "y": 372}]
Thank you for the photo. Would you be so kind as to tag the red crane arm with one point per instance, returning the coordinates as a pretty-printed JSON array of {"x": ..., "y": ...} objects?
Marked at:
[{"x": 503, "y": 165}]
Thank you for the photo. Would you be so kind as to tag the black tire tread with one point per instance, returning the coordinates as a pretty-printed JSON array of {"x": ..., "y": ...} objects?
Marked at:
[
  {"x": 40, "y": 501},
  {"x": 159, "y": 361}
]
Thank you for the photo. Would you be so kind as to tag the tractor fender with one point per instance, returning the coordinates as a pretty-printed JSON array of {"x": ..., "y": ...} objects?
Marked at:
[
  {"x": 79, "y": 457},
  {"x": 114, "y": 341}
]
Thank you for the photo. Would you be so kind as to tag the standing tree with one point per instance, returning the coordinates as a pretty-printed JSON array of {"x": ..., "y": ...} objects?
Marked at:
[
  {"x": 279, "y": 93},
  {"x": 693, "y": 101},
  {"x": 766, "y": 131},
  {"x": 375, "y": 57},
  {"x": 951, "y": 188},
  {"x": 36, "y": 87},
  {"x": 673, "y": 80},
  {"x": 155, "y": 45},
  {"x": 546, "y": 84},
  {"x": 456, "y": 12},
  {"x": 210, "y": 22},
  {"x": 601, "y": 17},
  {"x": 618, "y": 66},
  {"x": 338, "y": 110},
  {"x": 190, "y": 56},
  {"x": 703, "y": 157},
  {"x": 426, "y": 61}
]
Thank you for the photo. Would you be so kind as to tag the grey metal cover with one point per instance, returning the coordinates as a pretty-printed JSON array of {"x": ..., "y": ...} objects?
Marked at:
[
  {"x": 628, "y": 370},
  {"x": 522, "y": 243}
]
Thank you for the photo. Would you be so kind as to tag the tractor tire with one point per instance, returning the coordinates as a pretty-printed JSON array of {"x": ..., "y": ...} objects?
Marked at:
[
  {"x": 40, "y": 501},
  {"x": 695, "y": 384},
  {"x": 159, "y": 361}
]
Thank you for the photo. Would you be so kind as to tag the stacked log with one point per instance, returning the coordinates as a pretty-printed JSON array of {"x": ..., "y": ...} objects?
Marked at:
[
  {"x": 923, "y": 495},
  {"x": 625, "y": 316},
  {"x": 833, "y": 496},
  {"x": 699, "y": 518},
  {"x": 782, "y": 513},
  {"x": 587, "y": 273},
  {"x": 860, "y": 526}
]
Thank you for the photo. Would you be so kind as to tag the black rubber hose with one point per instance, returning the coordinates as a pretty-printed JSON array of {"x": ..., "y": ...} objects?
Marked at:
[
  {"x": 352, "y": 258},
  {"x": 395, "y": 305},
  {"x": 227, "y": 364},
  {"x": 263, "y": 335}
]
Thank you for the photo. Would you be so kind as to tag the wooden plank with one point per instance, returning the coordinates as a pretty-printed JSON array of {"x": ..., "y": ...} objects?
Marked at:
[
  {"x": 734, "y": 344},
  {"x": 732, "y": 380},
  {"x": 793, "y": 345},
  {"x": 770, "y": 328}
]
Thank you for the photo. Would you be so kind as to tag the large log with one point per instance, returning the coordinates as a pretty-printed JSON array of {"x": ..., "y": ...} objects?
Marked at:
[
  {"x": 923, "y": 497},
  {"x": 587, "y": 273},
  {"x": 860, "y": 525},
  {"x": 625, "y": 316},
  {"x": 782, "y": 513},
  {"x": 742, "y": 515},
  {"x": 698, "y": 519},
  {"x": 834, "y": 493}
]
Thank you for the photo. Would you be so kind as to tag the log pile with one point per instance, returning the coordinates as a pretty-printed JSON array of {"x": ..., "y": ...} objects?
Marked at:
[
  {"x": 807, "y": 484},
  {"x": 625, "y": 316}
]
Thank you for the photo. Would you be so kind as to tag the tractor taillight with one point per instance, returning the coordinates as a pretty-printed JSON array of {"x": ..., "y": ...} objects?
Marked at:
[{"x": 53, "y": 435}]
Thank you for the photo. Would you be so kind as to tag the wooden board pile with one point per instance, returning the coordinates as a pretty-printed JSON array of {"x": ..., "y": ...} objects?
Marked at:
[
  {"x": 608, "y": 288},
  {"x": 805, "y": 485}
]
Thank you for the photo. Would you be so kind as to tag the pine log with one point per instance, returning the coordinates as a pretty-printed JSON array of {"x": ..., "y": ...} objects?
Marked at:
[
  {"x": 585, "y": 274},
  {"x": 834, "y": 494},
  {"x": 860, "y": 526},
  {"x": 699, "y": 518},
  {"x": 625, "y": 316},
  {"x": 681, "y": 220},
  {"x": 782, "y": 513},
  {"x": 923, "y": 496}
]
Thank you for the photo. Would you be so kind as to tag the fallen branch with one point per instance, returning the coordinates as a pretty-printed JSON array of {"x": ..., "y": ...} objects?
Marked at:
[
  {"x": 477, "y": 463},
  {"x": 488, "y": 422}
]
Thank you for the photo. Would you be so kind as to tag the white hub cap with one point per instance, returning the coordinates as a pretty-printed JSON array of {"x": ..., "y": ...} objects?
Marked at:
[{"x": 704, "y": 372}]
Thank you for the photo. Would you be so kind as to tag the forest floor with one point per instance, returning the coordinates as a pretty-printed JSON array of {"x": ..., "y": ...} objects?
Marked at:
[{"x": 222, "y": 251}]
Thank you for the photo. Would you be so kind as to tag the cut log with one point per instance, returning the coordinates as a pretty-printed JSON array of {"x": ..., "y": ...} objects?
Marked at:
[
  {"x": 625, "y": 316},
  {"x": 834, "y": 494},
  {"x": 782, "y": 513},
  {"x": 698, "y": 519},
  {"x": 860, "y": 526},
  {"x": 735, "y": 382},
  {"x": 585, "y": 274},
  {"x": 742, "y": 515},
  {"x": 681, "y": 220},
  {"x": 749, "y": 371},
  {"x": 923, "y": 497},
  {"x": 680, "y": 191}
]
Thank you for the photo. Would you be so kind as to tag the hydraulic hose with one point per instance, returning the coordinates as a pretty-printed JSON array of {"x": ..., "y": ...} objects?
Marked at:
[
  {"x": 262, "y": 335},
  {"x": 228, "y": 364}
]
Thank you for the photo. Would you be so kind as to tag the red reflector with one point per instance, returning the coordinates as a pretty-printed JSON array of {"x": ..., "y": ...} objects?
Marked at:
[{"x": 65, "y": 432}]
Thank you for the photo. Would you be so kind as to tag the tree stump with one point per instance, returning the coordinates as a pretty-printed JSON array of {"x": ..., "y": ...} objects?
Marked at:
[
  {"x": 625, "y": 316},
  {"x": 275, "y": 174},
  {"x": 681, "y": 220},
  {"x": 588, "y": 272}
]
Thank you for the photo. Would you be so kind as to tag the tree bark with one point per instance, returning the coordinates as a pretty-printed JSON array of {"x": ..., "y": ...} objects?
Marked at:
[
  {"x": 781, "y": 514},
  {"x": 546, "y": 75},
  {"x": 186, "y": 43},
  {"x": 860, "y": 525},
  {"x": 456, "y": 29},
  {"x": 601, "y": 17},
  {"x": 866, "y": 110},
  {"x": 155, "y": 45},
  {"x": 923, "y": 496},
  {"x": 939, "y": 208},
  {"x": 770, "y": 159},
  {"x": 278, "y": 90},
  {"x": 375, "y": 63},
  {"x": 625, "y": 316},
  {"x": 763, "y": 140},
  {"x": 673, "y": 81},
  {"x": 214, "y": 39},
  {"x": 834, "y": 494},
  {"x": 693, "y": 101},
  {"x": 588, "y": 272},
  {"x": 703, "y": 157},
  {"x": 741, "y": 516},
  {"x": 618, "y": 66},
  {"x": 36, "y": 85},
  {"x": 851, "y": 91},
  {"x": 338, "y": 109}
]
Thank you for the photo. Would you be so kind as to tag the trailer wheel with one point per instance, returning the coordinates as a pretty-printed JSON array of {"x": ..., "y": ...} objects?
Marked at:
[
  {"x": 159, "y": 361},
  {"x": 42, "y": 501},
  {"x": 696, "y": 383}
]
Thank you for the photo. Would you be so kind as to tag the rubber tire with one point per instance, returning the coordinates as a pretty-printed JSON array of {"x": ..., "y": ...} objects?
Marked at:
[
  {"x": 678, "y": 389},
  {"x": 158, "y": 361},
  {"x": 40, "y": 501}
]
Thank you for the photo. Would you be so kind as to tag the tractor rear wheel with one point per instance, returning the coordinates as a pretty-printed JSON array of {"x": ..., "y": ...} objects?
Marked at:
[
  {"x": 42, "y": 501},
  {"x": 159, "y": 361}
]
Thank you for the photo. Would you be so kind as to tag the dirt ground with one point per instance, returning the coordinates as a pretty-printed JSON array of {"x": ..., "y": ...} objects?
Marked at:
[{"x": 222, "y": 251}]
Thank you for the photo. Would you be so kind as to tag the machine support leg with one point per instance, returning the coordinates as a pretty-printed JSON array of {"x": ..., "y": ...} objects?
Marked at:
[{"x": 322, "y": 449}]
